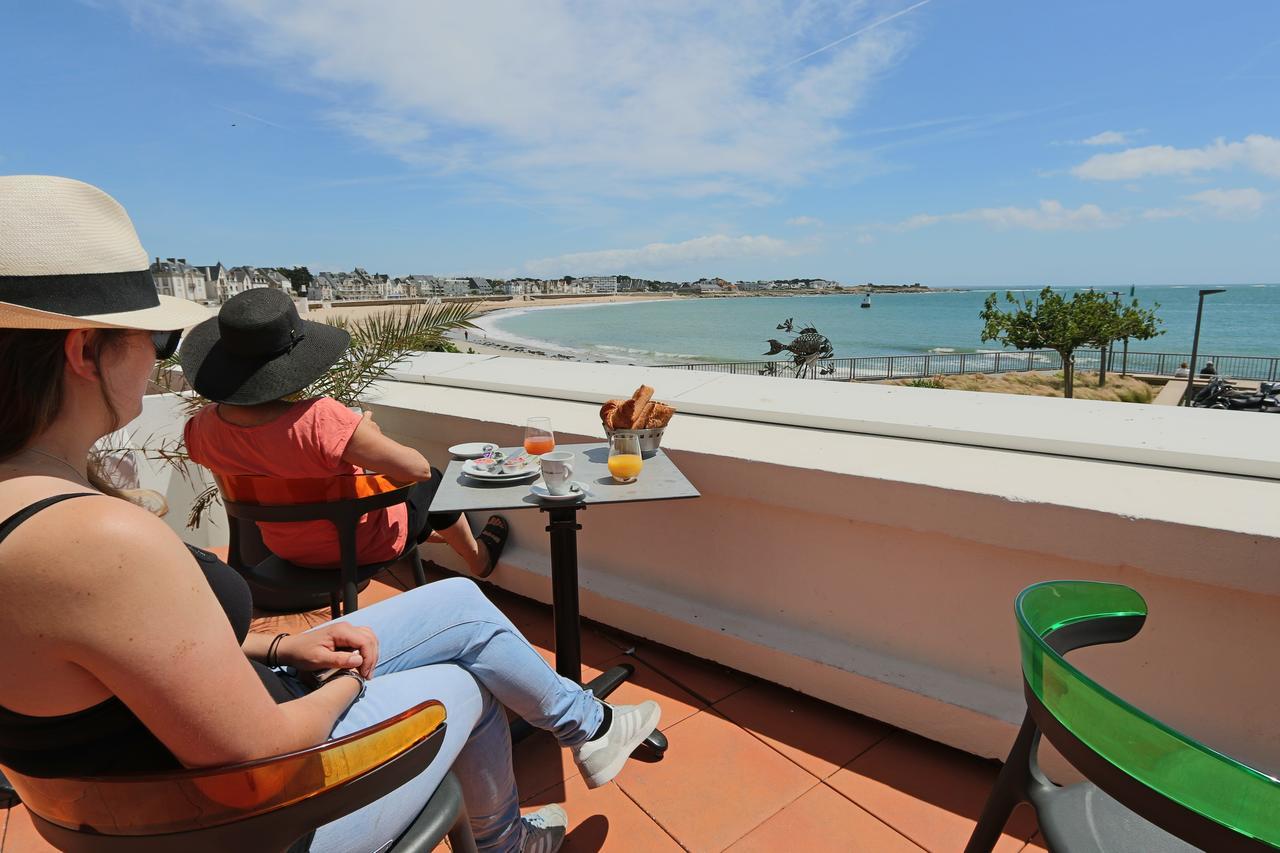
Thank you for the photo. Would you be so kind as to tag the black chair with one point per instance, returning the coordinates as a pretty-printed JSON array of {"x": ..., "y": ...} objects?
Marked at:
[
  {"x": 273, "y": 804},
  {"x": 1150, "y": 788},
  {"x": 281, "y": 585}
]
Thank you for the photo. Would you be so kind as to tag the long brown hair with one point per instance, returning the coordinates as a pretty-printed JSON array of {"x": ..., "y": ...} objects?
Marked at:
[{"x": 31, "y": 371}]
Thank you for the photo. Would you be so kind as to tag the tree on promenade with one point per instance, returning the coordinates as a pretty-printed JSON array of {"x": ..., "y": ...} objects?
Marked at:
[
  {"x": 299, "y": 277},
  {"x": 1051, "y": 321},
  {"x": 1138, "y": 323}
]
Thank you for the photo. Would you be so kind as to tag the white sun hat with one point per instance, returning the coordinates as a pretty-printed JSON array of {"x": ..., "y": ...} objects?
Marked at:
[{"x": 70, "y": 259}]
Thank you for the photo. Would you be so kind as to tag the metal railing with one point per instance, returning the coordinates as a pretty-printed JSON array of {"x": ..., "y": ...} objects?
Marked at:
[{"x": 881, "y": 367}]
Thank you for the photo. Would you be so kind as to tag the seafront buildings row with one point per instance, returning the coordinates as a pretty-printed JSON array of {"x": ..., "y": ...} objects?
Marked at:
[{"x": 216, "y": 284}]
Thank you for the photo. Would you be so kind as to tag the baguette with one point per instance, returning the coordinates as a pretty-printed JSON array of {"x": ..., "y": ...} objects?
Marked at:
[
  {"x": 641, "y": 419},
  {"x": 642, "y": 396},
  {"x": 660, "y": 416},
  {"x": 624, "y": 416}
]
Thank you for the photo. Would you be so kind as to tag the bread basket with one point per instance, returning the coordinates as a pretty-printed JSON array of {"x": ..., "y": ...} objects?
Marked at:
[{"x": 650, "y": 439}]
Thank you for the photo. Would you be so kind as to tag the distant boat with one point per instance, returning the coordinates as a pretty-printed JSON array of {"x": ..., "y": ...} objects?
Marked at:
[{"x": 866, "y": 301}]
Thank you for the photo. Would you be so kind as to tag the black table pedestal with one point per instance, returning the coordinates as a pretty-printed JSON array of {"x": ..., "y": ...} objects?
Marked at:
[{"x": 563, "y": 527}]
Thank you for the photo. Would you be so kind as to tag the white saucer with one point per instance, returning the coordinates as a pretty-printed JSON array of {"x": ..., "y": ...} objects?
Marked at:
[
  {"x": 472, "y": 449},
  {"x": 577, "y": 492}
]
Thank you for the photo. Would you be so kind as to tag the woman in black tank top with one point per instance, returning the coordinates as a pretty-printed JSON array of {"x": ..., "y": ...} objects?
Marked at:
[
  {"x": 108, "y": 737},
  {"x": 125, "y": 650}
]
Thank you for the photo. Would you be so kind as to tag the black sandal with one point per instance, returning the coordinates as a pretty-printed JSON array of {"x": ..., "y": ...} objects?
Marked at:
[{"x": 494, "y": 536}]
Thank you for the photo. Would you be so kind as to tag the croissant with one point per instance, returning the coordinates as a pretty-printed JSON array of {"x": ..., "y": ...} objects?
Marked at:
[{"x": 607, "y": 411}]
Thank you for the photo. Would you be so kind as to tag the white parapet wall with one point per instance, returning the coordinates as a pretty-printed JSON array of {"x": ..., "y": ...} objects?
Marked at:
[{"x": 864, "y": 544}]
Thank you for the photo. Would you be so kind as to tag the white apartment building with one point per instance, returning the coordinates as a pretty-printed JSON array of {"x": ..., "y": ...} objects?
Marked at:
[
  {"x": 599, "y": 284},
  {"x": 175, "y": 277},
  {"x": 240, "y": 279}
]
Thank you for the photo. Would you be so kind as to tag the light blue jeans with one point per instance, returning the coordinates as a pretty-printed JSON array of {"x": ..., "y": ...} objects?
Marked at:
[{"x": 447, "y": 641}]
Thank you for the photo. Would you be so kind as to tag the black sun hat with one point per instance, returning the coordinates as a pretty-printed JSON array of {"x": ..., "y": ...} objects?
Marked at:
[{"x": 258, "y": 349}]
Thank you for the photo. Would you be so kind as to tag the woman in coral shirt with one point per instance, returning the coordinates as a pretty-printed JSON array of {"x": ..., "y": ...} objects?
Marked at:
[{"x": 252, "y": 361}]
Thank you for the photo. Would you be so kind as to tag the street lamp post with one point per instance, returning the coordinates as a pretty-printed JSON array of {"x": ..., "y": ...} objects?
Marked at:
[
  {"x": 1195, "y": 343},
  {"x": 1111, "y": 344}
]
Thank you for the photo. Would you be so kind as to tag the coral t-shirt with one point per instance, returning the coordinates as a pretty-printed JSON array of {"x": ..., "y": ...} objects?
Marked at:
[{"x": 308, "y": 440}]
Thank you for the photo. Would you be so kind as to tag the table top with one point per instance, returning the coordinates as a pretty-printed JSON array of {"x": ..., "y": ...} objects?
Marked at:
[{"x": 660, "y": 480}]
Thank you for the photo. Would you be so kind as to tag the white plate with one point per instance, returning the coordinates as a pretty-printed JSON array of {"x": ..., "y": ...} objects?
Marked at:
[
  {"x": 539, "y": 490},
  {"x": 472, "y": 449},
  {"x": 472, "y": 470}
]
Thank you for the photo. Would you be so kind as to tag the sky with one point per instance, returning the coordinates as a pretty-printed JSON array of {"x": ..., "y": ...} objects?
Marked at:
[{"x": 949, "y": 142}]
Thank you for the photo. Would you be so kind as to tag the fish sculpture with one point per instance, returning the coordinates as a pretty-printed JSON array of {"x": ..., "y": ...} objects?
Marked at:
[{"x": 806, "y": 348}]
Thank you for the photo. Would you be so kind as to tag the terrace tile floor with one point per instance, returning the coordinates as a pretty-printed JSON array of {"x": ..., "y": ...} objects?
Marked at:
[{"x": 752, "y": 766}]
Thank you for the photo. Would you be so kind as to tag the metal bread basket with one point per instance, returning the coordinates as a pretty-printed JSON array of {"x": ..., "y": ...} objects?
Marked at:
[{"x": 650, "y": 439}]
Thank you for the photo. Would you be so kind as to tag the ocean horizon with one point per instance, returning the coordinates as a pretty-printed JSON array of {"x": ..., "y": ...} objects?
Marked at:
[{"x": 1245, "y": 320}]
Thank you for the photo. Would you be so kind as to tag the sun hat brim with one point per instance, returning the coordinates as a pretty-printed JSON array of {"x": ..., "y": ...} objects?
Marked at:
[
  {"x": 172, "y": 313},
  {"x": 220, "y": 375}
]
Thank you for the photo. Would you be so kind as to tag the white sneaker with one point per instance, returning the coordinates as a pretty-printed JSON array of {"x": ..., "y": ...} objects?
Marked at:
[
  {"x": 544, "y": 830},
  {"x": 601, "y": 759}
]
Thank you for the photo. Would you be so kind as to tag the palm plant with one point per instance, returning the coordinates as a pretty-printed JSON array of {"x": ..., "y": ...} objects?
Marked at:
[{"x": 380, "y": 342}]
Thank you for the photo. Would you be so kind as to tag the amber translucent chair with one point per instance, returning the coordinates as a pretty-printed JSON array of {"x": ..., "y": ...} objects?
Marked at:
[
  {"x": 1150, "y": 788},
  {"x": 270, "y": 805},
  {"x": 341, "y": 501}
]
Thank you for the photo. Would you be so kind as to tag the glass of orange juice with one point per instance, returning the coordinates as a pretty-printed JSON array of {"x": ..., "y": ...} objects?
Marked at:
[
  {"x": 625, "y": 461},
  {"x": 538, "y": 437}
]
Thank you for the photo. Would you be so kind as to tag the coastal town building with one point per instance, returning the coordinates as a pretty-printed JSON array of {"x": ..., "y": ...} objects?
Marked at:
[
  {"x": 217, "y": 283},
  {"x": 215, "y": 278},
  {"x": 175, "y": 277},
  {"x": 607, "y": 284}
]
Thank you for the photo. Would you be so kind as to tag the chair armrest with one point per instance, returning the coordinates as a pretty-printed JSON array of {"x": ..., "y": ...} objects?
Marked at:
[
  {"x": 185, "y": 800},
  {"x": 1116, "y": 744}
]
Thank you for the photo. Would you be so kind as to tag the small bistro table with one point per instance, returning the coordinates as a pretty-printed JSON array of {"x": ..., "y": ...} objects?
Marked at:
[{"x": 660, "y": 480}]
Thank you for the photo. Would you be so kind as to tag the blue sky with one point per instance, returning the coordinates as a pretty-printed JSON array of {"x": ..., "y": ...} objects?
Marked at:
[{"x": 951, "y": 142}]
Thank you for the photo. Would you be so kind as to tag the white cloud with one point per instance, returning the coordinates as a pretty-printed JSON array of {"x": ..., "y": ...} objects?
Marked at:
[
  {"x": 1111, "y": 137},
  {"x": 804, "y": 221},
  {"x": 1165, "y": 212},
  {"x": 714, "y": 247},
  {"x": 1231, "y": 204},
  {"x": 1222, "y": 204},
  {"x": 865, "y": 239},
  {"x": 1050, "y": 215},
  {"x": 569, "y": 94},
  {"x": 1256, "y": 152}
]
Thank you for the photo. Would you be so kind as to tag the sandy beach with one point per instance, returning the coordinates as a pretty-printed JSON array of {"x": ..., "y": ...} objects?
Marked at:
[{"x": 483, "y": 340}]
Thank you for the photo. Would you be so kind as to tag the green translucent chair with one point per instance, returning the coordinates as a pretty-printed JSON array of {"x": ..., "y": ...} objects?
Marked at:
[{"x": 1149, "y": 787}]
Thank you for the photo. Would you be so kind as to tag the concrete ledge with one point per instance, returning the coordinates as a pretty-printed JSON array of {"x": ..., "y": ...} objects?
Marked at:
[{"x": 1191, "y": 439}]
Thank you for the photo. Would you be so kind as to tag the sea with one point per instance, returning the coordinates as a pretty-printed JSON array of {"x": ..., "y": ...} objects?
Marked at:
[{"x": 1245, "y": 320}]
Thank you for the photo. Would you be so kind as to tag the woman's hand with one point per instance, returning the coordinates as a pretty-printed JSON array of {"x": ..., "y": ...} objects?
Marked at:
[{"x": 338, "y": 645}]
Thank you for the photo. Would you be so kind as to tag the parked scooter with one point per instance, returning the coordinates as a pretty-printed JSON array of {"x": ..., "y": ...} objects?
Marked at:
[{"x": 1217, "y": 394}]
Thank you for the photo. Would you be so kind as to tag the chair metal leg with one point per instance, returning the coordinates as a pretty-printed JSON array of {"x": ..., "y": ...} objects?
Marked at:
[
  {"x": 460, "y": 838},
  {"x": 419, "y": 576},
  {"x": 335, "y": 609},
  {"x": 1010, "y": 789}
]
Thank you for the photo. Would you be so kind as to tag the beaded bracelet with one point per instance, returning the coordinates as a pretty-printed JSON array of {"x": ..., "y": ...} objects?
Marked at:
[
  {"x": 273, "y": 650},
  {"x": 348, "y": 673}
]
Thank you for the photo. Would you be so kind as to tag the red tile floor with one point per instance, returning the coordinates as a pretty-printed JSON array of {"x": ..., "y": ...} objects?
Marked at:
[{"x": 752, "y": 766}]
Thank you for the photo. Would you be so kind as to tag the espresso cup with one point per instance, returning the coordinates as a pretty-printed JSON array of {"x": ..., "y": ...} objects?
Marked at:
[{"x": 557, "y": 471}]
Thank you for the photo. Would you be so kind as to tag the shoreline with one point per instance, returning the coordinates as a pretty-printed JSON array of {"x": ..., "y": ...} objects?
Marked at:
[{"x": 486, "y": 339}]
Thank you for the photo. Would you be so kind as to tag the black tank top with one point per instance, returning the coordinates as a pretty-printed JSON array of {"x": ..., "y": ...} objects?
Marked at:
[{"x": 107, "y": 738}]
